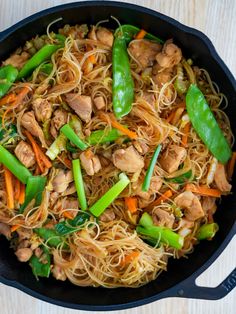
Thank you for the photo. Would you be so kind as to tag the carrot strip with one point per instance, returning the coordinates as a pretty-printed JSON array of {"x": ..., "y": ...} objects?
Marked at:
[
  {"x": 203, "y": 190},
  {"x": 160, "y": 199},
  {"x": 7, "y": 99},
  {"x": 171, "y": 116},
  {"x": 67, "y": 215},
  {"x": 119, "y": 126},
  {"x": 141, "y": 34},
  {"x": 131, "y": 204},
  {"x": 186, "y": 133},
  {"x": 231, "y": 165},
  {"x": 92, "y": 59},
  {"x": 129, "y": 258},
  {"x": 22, "y": 194},
  {"x": 9, "y": 188},
  {"x": 17, "y": 189},
  {"x": 14, "y": 228}
]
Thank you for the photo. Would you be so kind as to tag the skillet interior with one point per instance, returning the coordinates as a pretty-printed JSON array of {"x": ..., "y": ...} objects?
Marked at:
[{"x": 194, "y": 45}]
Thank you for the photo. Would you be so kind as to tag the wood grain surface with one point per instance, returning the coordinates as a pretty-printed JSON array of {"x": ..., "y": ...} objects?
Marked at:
[{"x": 217, "y": 20}]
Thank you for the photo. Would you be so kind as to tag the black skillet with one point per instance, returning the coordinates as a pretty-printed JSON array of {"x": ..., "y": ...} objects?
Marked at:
[{"x": 179, "y": 280}]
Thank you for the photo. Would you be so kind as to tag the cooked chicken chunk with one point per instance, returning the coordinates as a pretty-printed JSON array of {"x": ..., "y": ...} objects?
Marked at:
[
  {"x": 58, "y": 120},
  {"x": 42, "y": 109},
  {"x": 108, "y": 215},
  {"x": 17, "y": 60},
  {"x": 92, "y": 33},
  {"x": 155, "y": 185},
  {"x": 25, "y": 154},
  {"x": 90, "y": 162},
  {"x": 141, "y": 147},
  {"x": 191, "y": 204},
  {"x": 5, "y": 230},
  {"x": 169, "y": 56},
  {"x": 161, "y": 75},
  {"x": 144, "y": 51},
  {"x": 172, "y": 158},
  {"x": 221, "y": 180},
  {"x": 29, "y": 122},
  {"x": 81, "y": 104},
  {"x": 105, "y": 36},
  {"x": 62, "y": 180},
  {"x": 128, "y": 159},
  {"x": 99, "y": 102},
  {"x": 70, "y": 203},
  {"x": 208, "y": 204},
  {"x": 58, "y": 273},
  {"x": 163, "y": 218},
  {"x": 24, "y": 254}
]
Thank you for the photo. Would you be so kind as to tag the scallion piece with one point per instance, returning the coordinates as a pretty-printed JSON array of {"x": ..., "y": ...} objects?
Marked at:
[
  {"x": 71, "y": 135},
  {"x": 57, "y": 147},
  {"x": 79, "y": 184},
  {"x": 146, "y": 220},
  {"x": 99, "y": 207},
  {"x": 147, "y": 179},
  {"x": 103, "y": 136},
  {"x": 207, "y": 231}
]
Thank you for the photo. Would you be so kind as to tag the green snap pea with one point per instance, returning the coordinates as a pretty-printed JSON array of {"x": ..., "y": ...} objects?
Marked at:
[
  {"x": 207, "y": 231},
  {"x": 41, "y": 268},
  {"x": 8, "y": 75},
  {"x": 183, "y": 178},
  {"x": 69, "y": 226},
  {"x": 50, "y": 235}
]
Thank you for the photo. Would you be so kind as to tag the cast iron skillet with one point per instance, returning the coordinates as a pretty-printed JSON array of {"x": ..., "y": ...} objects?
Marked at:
[{"x": 179, "y": 280}]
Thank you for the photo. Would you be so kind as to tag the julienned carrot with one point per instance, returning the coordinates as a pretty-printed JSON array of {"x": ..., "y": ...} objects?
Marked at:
[
  {"x": 92, "y": 59},
  {"x": 160, "y": 199},
  {"x": 14, "y": 228},
  {"x": 186, "y": 134},
  {"x": 231, "y": 165},
  {"x": 22, "y": 194},
  {"x": 9, "y": 188},
  {"x": 171, "y": 116},
  {"x": 67, "y": 214},
  {"x": 129, "y": 258},
  {"x": 203, "y": 190},
  {"x": 119, "y": 126},
  {"x": 7, "y": 99},
  {"x": 42, "y": 161},
  {"x": 131, "y": 204},
  {"x": 141, "y": 34},
  {"x": 16, "y": 189}
]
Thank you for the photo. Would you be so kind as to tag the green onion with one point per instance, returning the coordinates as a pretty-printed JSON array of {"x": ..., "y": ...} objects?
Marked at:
[
  {"x": 103, "y": 136},
  {"x": 34, "y": 190},
  {"x": 207, "y": 231},
  {"x": 146, "y": 220},
  {"x": 79, "y": 184},
  {"x": 183, "y": 178},
  {"x": 148, "y": 177},
  {"x": 99, "y": 207},
  {"x": 57, "y": 147},
  {"x": 14, "y": 165},
  {"x": 71, "y": 135},
  {"x": 39, "y": 268}
]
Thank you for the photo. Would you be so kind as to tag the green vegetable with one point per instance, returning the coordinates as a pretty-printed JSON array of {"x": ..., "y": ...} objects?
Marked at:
[
  {"x": 123, "y": 84},
  {"x": 183, "y": 178},
  {"x": 205, "y": 125},
  {"x": 70, "y": 226},
  {"x": 57, "y": 147},
  {"x": 130, "y": 31},
  {"x": 39, "y": 57},
  {"x": 79, "y": 184},
  {"x": 180, "y": 84},
  {"x": 8, "y": 75},
  {"x": 149, "y": 173},
  {"x": 50, "y": 236},
  {"x": 103, "y": 136},
  {"x": 60, "y": 38},
  {"x": 76, "y": 125},
  {"x": 39, "y": 268},
  {"x": 8, "y": 133},
  {"x": 207, "y": 231},
  {"x": 71, "y": 148},
  {"x": 46, "y": 129},
  {"x": 71, "y": 135},
  {"x": 189, "y": 71},
  {"x": 14, "y": 165},
  {"x": 146, "y": 220},
  {"x": 46, "y": 68},
  {"x": 99, "y": 207},
  {"x": 34, "y": 190}
]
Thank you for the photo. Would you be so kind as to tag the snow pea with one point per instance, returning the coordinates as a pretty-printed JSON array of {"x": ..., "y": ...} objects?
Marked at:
[
  {"x": 39, "y": 268},
  {"x": 49, "y": 235},
  {"x": 69, "y": 226},
  {"x": 8, "y": 75},
  {"x": 183, "y": 178},
  {"x": 205, "y": 124}
]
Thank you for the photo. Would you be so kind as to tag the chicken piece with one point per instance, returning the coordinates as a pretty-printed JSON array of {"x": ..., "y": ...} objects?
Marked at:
[
  {"x": 208, "y": 204},
  {"x": 155, "y": 185},
  {"x": 92, "y": 33},
  {"x": 29, "y": 122},
  {"x": 172, "y": 158},
  {"x": 105, "y": 36},
  {"x": 141, "y": 147},
  {"x": 99, "y": 102},
  {"x": 108, "y": 215},
  {"x": 17, "y": 60},
  {"x": 24, "y": 254},
  {"x": 58, "y": 273},
  {"x": 128, "y": 159},
  {"x": 59, "y": 119},
  {"x": 24, "y": 234},
  {"x": 70, "y": 203},
  {"x": 5, "y": 230},
  {"x": 169, "y": 56},
  {"x": 191, "y": 204},
  {"x": 149, "y": 98},
  {"x": 23, "y": 244},
  {"x": 90, "y": 162},
  {"x": 144, "y": 51},
  {"x": 163, "y": 218},
  {"x": 81, "y": 104},
  {"x": 25, "y": 154},
  {"x": 62, "y": 180},
  {"x": 221, "y": 180},
  {"x": 185, "y": 227},
  {"x": 161, "y": 75},
  {"x": 42, "y": 109}
]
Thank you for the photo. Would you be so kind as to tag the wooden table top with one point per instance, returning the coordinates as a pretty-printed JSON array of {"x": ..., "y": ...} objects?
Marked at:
[{"x": 217, "y": 20}]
